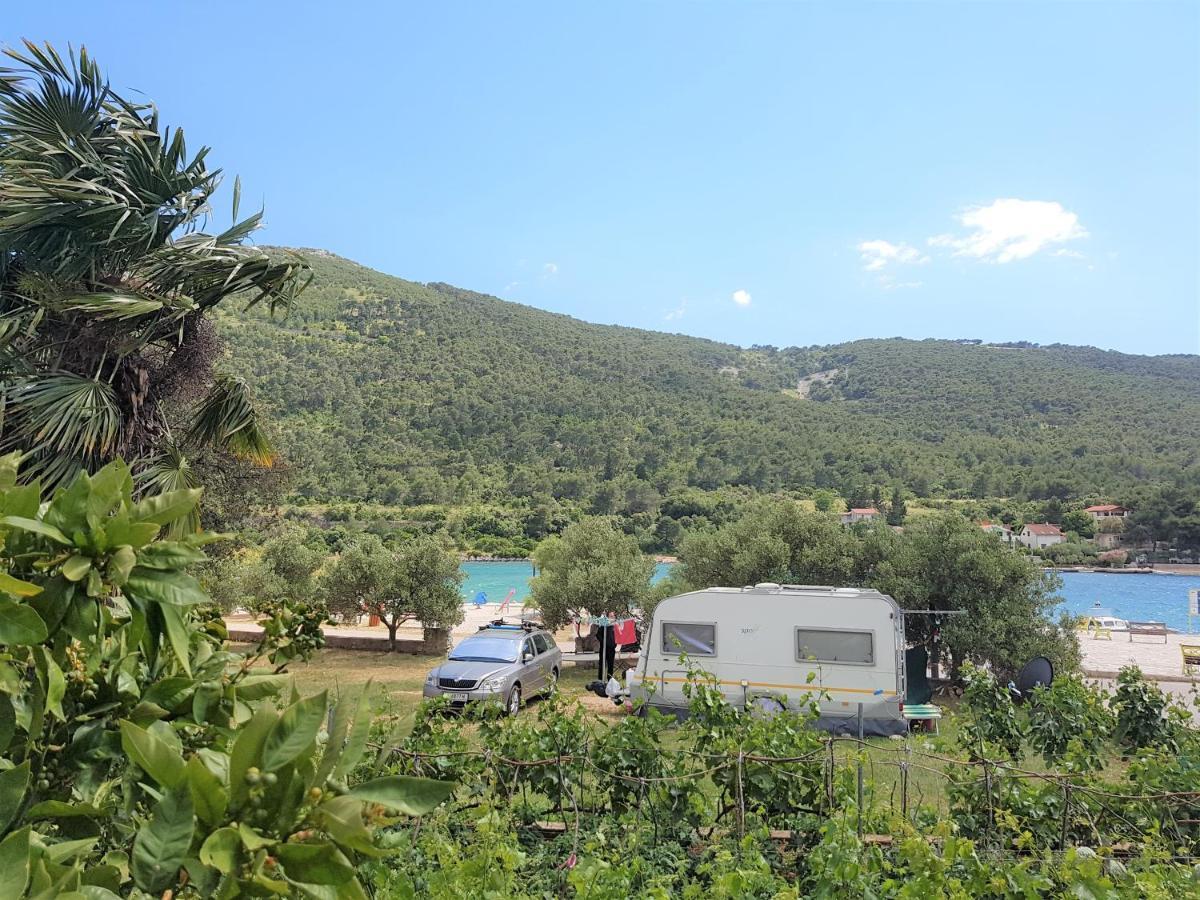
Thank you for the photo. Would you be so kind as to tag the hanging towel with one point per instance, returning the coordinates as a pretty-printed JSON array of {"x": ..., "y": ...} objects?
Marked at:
[{"x": 625, "y": 633}]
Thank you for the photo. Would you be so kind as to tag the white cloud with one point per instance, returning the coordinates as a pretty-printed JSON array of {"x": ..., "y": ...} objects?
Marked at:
[
  {"x": 550, "y": 269},
  {"x": 1071, "y": 254},
  {"x": 512, "y": 285},
  {"x": 877, "y": 254},
  {"x": 1010, "y": 229},
  {"x": 677, "y": 312},
  {"x": 741, "y": 297}
]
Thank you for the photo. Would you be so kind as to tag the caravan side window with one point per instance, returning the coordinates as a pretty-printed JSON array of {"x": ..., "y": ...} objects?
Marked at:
[
  {"x": 692, "y": 638},
  {"x": 854, "y": 648}
]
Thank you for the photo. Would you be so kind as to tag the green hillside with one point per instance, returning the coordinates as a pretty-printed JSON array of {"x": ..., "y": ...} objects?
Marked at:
[{"x": 393, "y": 392}]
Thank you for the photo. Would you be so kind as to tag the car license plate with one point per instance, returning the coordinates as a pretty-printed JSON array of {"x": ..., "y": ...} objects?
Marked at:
[{"x": 461, "y": 696}]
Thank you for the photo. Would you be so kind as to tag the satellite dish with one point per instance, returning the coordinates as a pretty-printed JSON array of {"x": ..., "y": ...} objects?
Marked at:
[{"x": 1038, "y": 672}]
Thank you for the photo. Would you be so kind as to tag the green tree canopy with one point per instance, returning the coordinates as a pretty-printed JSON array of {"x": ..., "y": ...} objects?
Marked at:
[
  {"x": 772, "y": 541},
  {"x": 592, "y": 566},
  {"x": 945, "y": 562},
  {"x": 418, "y": 579}
]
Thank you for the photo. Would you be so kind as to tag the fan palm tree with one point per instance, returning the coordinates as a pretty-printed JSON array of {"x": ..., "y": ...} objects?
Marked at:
[{"x": 106, "y": 279}]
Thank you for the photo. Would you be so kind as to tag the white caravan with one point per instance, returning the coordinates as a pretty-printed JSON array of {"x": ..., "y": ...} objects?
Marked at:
[{"x": 778, "y": 645}]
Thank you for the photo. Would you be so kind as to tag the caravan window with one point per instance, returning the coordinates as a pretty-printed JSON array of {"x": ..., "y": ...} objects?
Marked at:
[
  {"x": 855, "y": 648},
  {"x": 692, "y": 638}
]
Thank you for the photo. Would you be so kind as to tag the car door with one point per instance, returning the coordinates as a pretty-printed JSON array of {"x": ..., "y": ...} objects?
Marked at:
[
  {"x": 532, "y": 678},
  {"x": 547, "y": 657}
]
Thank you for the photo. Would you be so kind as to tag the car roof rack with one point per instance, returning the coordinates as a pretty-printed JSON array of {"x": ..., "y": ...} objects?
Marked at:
[{"x": 501, "y": 624}]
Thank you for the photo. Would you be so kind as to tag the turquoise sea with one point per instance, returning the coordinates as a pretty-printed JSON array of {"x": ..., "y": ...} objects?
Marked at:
[
  {"x": 1159, "y": 598},
  {"x": 497, "y": 579}
]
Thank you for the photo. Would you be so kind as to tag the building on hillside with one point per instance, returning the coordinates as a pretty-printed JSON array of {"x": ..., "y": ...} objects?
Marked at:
[
  {"x": 1108, "y": 540},
  {"x": 867, "y": 514},
  {"x": 999, "y": 529},
  {"x": 1107, "y": 511},
  {"x": 1037, "y": 536}
]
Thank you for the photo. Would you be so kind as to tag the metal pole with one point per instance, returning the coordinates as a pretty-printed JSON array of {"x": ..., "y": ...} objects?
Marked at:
[{"x": 860, "y": 769}]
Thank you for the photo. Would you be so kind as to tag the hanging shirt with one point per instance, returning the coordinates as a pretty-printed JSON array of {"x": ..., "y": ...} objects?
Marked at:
[{"x": 625, "y": 632}]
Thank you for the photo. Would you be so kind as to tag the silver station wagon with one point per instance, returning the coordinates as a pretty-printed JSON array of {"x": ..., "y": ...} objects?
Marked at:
[{"x": 500, "y": 661}]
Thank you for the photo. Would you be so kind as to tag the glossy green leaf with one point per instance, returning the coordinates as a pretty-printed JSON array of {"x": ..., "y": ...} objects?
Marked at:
[
  {"x": 152, "y": 754},
  {"x": 56, "y": 684},
  {"x": 97, "y": 892},
  {"x": 121, "y": 563},
  {"x": 252, "y": 838},
  {"x": 163, "y": 509},
  {"x": 295, "y": 731},
  {"x": 16, "y": 587},
  {"x": 162, "y": 844},
  {"x": 8, "y": 721},
  {"x": 177, "y": 635},
  {"x": 13, "y": 784},
  {"x": 36, "y": 526},
  {"x": 221, "y": 849},
  {"x": 77, "y": 567},
  {"x": 14, "y": 863},
  {"x": 246, "y": 752},
  {"x": 170, "y": 692},
  {"x": 60, "y": 809},
  {"x": 169, "y": 555},
  {"x": 170, "y": 588},
  {"x": 122, "y": 532},
  {"x": 209, "y": 796},
  {"x": 314, "y": 863},
  {"x": 359, "y": 732},
  {"x": 256, "y": 687},
  {"x": 20, "y": 625},
  {"x": 342, "y": 818},
  {"x": 403, "y": 793}
]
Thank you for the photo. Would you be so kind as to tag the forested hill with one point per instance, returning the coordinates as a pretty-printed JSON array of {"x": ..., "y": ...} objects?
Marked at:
[{"x": 396, "y": 392}]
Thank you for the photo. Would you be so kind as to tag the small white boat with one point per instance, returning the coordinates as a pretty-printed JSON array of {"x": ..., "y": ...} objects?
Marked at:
[{"x": 1110, "y": 622}]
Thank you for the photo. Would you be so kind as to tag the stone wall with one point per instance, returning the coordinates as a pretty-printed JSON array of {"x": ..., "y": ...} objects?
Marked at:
[{"x": 434, "y": 642}]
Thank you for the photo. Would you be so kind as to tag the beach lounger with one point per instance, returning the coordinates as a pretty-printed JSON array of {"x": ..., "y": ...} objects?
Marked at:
[{"x": 1152, "y": 629}]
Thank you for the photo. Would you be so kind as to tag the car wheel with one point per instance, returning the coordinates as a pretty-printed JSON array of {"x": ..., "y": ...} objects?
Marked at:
[
  {"x": 513, "y": 706},
  {"x": 552, "y": 683}
]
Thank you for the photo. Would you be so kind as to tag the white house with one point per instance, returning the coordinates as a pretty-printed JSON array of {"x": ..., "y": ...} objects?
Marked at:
[
  {"x": 1038, "y": 536},
  {"x": 999, "y": 529},
  {"x": 869, "y": 514}
]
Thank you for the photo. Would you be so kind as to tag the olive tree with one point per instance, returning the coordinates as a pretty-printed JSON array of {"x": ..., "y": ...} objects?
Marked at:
[
  {"x": 591, "y": 566},
  {"x": 774, "y": 540},
  {"x": 944, "y": 563},
  {"x": 418, "y": 579}
]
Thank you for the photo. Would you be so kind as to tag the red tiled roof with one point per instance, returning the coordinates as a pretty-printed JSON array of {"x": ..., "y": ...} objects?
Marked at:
[
  {"x": 869, "y": 511},
  {"x": 1105, "y": 507},
  {"x": 1035, "y": 528}
]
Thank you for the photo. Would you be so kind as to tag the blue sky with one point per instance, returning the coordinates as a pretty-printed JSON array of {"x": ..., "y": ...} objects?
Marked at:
[{"x": 751, "y": 172}]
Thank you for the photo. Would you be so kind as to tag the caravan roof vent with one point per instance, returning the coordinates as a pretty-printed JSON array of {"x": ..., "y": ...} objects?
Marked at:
[{"x": 766, "y": 586}]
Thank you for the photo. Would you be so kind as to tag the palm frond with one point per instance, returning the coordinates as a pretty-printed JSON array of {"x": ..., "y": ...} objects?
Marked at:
[
  {"x": 166, "y": 471},
  {"x": 67, "y": 422},
  {"x": 227, "y": 419},
  {"x": 106, "y": 271}
]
